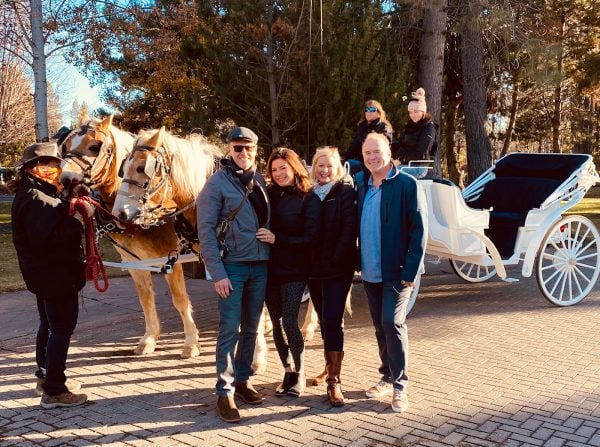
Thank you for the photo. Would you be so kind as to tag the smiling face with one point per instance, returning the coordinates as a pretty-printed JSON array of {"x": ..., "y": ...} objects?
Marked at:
[
  {"x": 246, "y": 156},
  {"x": 415, "y": 115},
  {"x": 376, "y": 153},
  {"x": 324, "y": 169},
  {"x": 282, "y": 173}
]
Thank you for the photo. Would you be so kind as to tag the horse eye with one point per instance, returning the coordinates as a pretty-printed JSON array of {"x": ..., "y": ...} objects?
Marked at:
[
  {"x": 95, "y": 148},
  {"x": 140, "y": 169}
]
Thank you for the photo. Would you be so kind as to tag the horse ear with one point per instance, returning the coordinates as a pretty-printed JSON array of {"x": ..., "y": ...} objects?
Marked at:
[
  {"x": 157, "y": 138},
  {"x": 83, "y": 119},
  {"x": 106, "y": 122}
]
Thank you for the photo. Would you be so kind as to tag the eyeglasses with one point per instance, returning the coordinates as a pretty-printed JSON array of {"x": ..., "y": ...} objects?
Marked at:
[
  {"x": 240, "y": 148},
  {"x": 371, "y": 109}
]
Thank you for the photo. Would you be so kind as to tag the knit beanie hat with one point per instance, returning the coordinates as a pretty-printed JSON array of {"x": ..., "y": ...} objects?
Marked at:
[{"x": 417, "y": 101}]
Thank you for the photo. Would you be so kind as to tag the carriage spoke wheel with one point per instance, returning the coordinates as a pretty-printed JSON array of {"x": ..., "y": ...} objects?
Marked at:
[
  {"x": 568, "y": 261},
  {"x": 472, "y": 272}
]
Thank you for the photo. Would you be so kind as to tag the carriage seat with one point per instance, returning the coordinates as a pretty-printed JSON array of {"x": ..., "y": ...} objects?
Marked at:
[
  {"x": 511, "y": 198},
  {"x": 451, "y": 220}
]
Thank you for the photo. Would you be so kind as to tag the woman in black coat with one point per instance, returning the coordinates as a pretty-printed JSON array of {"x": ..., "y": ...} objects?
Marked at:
[
  {"x": 334, "y": 263},
  {"x": 47, "y": 240},
  {"x": 295, "y": 216},
  {"x": 419, "y": 133},
  {"x": 373, "y": 120}
]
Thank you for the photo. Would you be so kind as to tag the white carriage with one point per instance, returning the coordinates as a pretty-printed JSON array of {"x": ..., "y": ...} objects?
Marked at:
[{"x": 512, "y": 214}]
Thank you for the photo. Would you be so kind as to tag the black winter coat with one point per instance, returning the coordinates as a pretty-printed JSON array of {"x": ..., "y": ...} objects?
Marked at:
[
  {"x": 336, "y": 252},
  {"x": 295, "y": 218},
  {"x": 416, "y": 141},
  {"x": 362, "y": 130},
  {"x": 47, "y": 240}
]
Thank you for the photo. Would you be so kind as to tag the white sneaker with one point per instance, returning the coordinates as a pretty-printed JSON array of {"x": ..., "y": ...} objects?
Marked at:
[
  {"x": 380, "y": 389},
  {"x": 400, "y": 401}
]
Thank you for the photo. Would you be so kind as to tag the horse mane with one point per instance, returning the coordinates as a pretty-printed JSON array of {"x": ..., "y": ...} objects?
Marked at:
[{"x": 192, "y": 161}]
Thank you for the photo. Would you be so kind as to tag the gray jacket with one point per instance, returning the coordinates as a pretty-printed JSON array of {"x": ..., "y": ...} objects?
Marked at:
[{"x": 223, "y": 193}]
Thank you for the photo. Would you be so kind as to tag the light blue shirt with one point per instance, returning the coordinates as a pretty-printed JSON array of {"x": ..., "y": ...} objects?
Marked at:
[{"x": 370, "y": 235}]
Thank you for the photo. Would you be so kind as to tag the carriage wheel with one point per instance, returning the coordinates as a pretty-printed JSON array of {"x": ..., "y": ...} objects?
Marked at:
[
  {"x": 568, "y": 261},
  {"x": 414, "y": 293},
  {"x": 472, "y": 272}
]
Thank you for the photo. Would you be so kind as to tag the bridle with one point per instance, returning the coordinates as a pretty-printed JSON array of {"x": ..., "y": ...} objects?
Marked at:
[
  {"x": 155, "y": 167},
  {"x": 106, "y": 152}
]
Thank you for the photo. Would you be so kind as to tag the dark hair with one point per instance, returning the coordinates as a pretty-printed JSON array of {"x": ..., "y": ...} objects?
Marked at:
[{"x": 301, "y": 178}]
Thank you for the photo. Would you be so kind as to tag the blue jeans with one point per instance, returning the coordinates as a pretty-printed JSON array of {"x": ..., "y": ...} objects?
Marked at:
[
  {"x": 59, "y": 317},
  {"x": 388, "y": 302},
  {"x": 239, "y": 315}
]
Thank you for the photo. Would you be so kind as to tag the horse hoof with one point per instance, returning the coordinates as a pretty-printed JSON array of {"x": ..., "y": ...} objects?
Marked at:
[
  {"x": 144, "y": 348},
  {"x": 259, "y": 368},
  {"x": 190, "y": 352}
]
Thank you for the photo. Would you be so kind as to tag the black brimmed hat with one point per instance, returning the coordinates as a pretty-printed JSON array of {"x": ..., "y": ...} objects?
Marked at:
[{"x": 37, "y": 151}]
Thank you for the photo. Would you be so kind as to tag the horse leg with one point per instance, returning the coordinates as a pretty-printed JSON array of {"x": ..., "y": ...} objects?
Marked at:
[
  {"x": 145, "y": 290},
  {"x": 181, "y": 301},
  {"x": 259, "y": 363},
  {"x": 311, "y": 320}
]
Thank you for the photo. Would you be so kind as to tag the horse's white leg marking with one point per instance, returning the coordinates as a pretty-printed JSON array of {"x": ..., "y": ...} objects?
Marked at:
[
  {"x": 145, "y": 290},
  {"x": 181, "y": 301},
  {"x": 311, "y": 321},
  {"x": 259, "y": 363}
]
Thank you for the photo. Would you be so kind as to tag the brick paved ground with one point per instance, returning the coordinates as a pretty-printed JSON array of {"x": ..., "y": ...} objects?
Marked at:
[{"x": 491, "y": 364}]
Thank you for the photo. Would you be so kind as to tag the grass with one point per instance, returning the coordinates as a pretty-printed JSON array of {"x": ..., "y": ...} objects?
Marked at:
[{"x": 12, "y": 280}]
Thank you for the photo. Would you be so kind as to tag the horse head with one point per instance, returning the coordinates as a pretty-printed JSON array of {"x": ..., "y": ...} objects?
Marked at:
[
  {"x": 93, "y": 152},
  {"x": 146, "y": 193}
]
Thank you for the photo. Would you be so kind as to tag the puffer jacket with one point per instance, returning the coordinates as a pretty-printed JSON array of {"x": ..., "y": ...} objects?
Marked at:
[
  {"x": 222, "y": 193},
  {"x": 336, "y": 251},
  {"x": 416, "y": 141},
  {"x": 295, "y": 220},
  {"x": 47, "y": 240}
]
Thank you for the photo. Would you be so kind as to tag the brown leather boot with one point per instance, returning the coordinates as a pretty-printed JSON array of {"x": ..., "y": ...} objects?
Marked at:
[
  {"x": 334, "y": 387},
  {"x": 320, "y": 379}
]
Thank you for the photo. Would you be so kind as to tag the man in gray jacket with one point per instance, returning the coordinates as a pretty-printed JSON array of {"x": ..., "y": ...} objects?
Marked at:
[{"x": 233, "y": 215}]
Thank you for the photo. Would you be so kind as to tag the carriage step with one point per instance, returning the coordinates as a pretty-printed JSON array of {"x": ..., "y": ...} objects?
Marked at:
[{"x": 510, "y": 279}]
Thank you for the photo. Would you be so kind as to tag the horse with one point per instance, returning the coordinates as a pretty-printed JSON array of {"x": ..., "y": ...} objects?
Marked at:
[
  {"x": 93, "y": 154},
  {"x": 162, "y": 176}
]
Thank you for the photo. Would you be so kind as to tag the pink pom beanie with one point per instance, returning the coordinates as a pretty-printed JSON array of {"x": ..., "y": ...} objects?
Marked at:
[{"x": 417, "y": 101}]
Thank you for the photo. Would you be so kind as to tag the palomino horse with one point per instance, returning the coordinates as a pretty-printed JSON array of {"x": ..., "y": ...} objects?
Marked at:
[
  {"x": 94, "y": 153},
  {"x": 163, "y": 175}
]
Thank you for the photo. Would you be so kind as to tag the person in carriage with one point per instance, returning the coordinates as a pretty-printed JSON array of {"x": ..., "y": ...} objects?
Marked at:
[
  {"x": 391, "y": 248},
  {"x": 47, "y": 239},
  {"x": 233, "y": 221},
  {"x": 419, "y": 140},
  {"x": 373, "y": 120}
]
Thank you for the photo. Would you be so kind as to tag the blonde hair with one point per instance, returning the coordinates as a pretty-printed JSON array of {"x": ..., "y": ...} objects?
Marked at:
[
  {"x": 301, "y": 178},
  {"x": 338, "y": 169}
]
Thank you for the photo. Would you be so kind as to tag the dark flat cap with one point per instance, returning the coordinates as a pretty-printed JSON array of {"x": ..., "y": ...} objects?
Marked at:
[
  {"x": 242, "y": 133},
  {"x": 39, "y": 150}
]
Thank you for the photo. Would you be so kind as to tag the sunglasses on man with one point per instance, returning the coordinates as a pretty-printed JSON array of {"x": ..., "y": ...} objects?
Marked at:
[
  {"x": 240, "y": 148},
  {"x": 371, "y": 109}
]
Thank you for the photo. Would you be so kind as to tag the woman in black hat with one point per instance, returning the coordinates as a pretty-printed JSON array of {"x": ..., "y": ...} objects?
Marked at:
[{"x": 48, "y": 244}]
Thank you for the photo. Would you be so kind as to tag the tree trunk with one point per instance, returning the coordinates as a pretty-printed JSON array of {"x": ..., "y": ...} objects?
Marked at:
[
  {"x": 514, "y": 106},
  {"x": 40, "y": 92},
  {"x": 431, "y": 61},
  {"x": 271, "y": 80},
  {"x": 471, "y": 56},
  {"x": 451, "y": 153}
]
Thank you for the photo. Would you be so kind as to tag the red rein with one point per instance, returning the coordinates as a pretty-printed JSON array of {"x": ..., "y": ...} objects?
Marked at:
[{"x": 94, "y": 268}]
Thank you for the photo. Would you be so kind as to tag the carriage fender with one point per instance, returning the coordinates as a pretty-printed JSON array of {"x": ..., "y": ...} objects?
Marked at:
[
  {"x": 495, "y": 255},
  {"x": 534, "y": 245}
]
